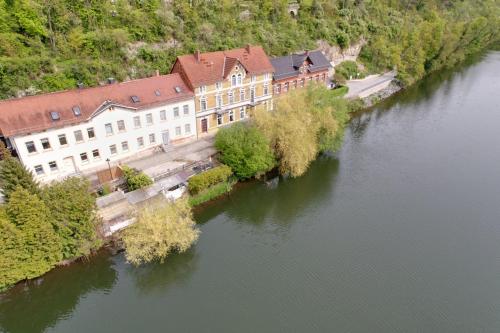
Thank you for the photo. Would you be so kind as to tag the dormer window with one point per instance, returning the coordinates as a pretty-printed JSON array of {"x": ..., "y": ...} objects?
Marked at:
[
  {"x": 76, "y": 111},
  {"x": 233, "y": 80},
  {"x": 178, "y": 89},
  {"x": 55, "y": 116},
  {"x": 254, "y": 78},
  {"x": 135, "y": 99},
  {"x": 203, "y": 89}
]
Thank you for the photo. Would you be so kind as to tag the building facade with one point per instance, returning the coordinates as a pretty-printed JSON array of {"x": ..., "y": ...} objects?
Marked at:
[
  {"x": 79, "y": 131},
  {"x": 227, "y": 85},
  {"x": 299, "y": 70}
]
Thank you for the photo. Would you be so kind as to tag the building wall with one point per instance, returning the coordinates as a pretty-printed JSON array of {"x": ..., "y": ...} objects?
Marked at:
[
  {"x": 68, "y": 158},
  {"x": 280, "y": 86},
  {"x": 210, "y": 93}
]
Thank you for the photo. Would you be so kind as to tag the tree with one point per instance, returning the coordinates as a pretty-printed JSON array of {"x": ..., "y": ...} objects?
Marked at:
[
  {"x": 245, "y": 149},
  {"x": 135, "y": 180},
  {"x": 14, "y": 174},
  {"x": 74, "y": 219},
  {"x": 161, "y": 228},
  {"x": 13, "y": 252},
  {"x": 33, "y": 246}
]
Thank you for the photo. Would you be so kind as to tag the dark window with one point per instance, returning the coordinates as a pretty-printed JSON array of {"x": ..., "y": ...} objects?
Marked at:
[
  {"x": 30, "y": 145},
  {"x": 62, "y": 140},
  {"x": 135, "y": 99},
  {"x": 45, "y": 143}
]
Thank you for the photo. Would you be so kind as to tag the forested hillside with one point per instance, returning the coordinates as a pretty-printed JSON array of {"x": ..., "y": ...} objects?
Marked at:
[{"x": 48, "y": 45}]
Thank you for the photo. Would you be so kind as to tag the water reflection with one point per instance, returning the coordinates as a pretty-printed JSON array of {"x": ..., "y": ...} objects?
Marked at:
[
  {"x": 257, "y": 204},
  {"x": 36, "y": 305},
  {"x": 158, "y": 277}
]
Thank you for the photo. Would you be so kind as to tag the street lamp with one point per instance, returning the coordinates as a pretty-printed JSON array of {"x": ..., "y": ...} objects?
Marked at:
[{"x": 109, "y": 167}]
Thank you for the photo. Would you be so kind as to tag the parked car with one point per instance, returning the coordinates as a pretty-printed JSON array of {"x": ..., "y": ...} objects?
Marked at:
[
  {"x": 175, "y": 192},
  {"x": 203, "y": 167}
]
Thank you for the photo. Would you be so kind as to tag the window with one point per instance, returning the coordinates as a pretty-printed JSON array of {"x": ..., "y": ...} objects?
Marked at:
[
  {"x": 203, "y": 89},
  {"x": 219, "y": 119},
  {"x": 45, "y": 143},
  {"x": 95, "y": 154},
  {"x": 242, "y": 113},
  {"x": 55, "y": 115},
  {"x": 254, "y": 78},
  {"x": 252, "y": 95},
  {"x": 218, "y": 100},
  {"x": 39, "y": 170},
  {"x": 185, "y": 110},
  {"x": 30, "y": 145},
  {"x": 152, "y": 138},
  {"x": 176, "y": 112},
  {"x": 302, "y": 81},
  {"x": 163, "y": 115},
  {"x": 240, "y": 79},
  {"x": 178, "y": 130},
  {"x": 203, "y": 104},
  {"x": 84, "y": 158},
  {"x": 295, "y": 84},
  {"x": 137, "y": 122},
  {"x": 121, "y": 125},
  {"x": 266, "y": 76},
  {"x": 266, "y": 89},
  {"x": 285, "y": 88},
  {"x": 278, "y": 88},
  {"x": 233, "y": 80},
  {"x": 53, "y": 166},
  {"x": 149, "y": 119},
  {"x": 140, "y": 142},
  {"x": 91, "y": 133},
  {"x": 218, "y": 85},
  {"x": 112, "y": 149},
  {"x": 135, "y": 99},
  {"x": 242, "y": 94},
  {"x": 76, "y": 111},
  {"x": 231, "y": 115},
  {"x": 187, "y": 128},
  {"x": 109, "y": 129},
  {"x": 125, "y": 145},
  {"x": 62, "y": 139},
  {"x": 230, "y": 97},
  {"x": 78, "y": 136}
]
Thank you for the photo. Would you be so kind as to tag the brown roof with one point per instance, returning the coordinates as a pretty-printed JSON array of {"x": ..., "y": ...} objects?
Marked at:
[
  {"x": 213, "y": 67},
  {"x": 33, "y": 113}
]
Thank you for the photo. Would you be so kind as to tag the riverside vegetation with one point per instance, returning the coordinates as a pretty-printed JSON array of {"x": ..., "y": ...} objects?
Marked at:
[{"x": 52, "y": 45}]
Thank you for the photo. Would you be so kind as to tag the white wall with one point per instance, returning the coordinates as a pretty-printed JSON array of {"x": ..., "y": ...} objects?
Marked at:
[{"x": 62, "y": 154}]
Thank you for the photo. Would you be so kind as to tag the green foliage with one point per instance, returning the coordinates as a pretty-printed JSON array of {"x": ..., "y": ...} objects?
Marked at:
[
  {"x": 135, "y": 180},
  {"x": 30, "y": 246},
  {"x": 349, "y": 69},
  {"x": 208, "y": 178},
  {"x": 340, "y": 91},
  {"x": 245, "y": 150},
  {"x": 14, "y": 174},
  {"x": 74, "y": 219},
  {"x": 212, "y": 192},
  {"x": 161, "y": 228},
  {"x": 50, "y": 45}
]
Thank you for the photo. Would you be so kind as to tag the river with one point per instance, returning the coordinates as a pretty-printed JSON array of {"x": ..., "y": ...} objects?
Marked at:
[{"x": 397, "y": 232}]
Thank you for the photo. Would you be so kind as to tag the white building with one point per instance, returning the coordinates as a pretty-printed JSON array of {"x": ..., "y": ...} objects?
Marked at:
[{"x": 64, "y": 133}]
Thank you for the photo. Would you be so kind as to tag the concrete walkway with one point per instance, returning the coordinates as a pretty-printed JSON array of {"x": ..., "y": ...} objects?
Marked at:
[{"x": 369, "y": 85}]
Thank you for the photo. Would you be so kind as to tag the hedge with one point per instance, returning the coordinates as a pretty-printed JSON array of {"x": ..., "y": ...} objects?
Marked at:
[{"x": 208, "y": 178}]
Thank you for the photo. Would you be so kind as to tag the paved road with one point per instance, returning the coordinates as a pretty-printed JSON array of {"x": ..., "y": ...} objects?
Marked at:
[{"x": 369, "y": 85}]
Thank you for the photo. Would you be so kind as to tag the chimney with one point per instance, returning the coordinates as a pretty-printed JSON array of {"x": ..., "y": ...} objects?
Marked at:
[
  {"x": 247, "y": 48},
  {"x": 197, "y": 55}
]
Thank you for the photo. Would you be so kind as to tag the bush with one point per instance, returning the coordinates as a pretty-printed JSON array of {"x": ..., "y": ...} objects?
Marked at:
[
  {"x": 208, "y": 178},
  {"x": 348, "y": 70},
  {"x": 135, "y": 180},
  {"x": 245, "y": 149},
  {"x": 211, "y": 193}
]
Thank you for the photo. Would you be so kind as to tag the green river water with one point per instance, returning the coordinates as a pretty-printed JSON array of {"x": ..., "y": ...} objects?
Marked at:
[{"x": 397, "y": 232}]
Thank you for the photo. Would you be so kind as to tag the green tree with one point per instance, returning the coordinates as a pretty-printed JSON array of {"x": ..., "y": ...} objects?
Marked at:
[
  {"x": 161, "y": 228},
  {"x": 135, "y": 180},
  {"x": 14, "y": 174},
  {"x": 73, "y": 210},
  {"x": 33, "y": 246},
  {"x": 245, "y": 150},
  {"x": 14, "y": 254}
]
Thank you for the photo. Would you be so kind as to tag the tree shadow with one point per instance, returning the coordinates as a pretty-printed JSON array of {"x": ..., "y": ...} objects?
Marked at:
[{"x": 35, "y": 305}]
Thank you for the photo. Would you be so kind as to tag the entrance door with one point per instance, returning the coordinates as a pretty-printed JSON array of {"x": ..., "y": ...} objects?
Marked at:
[
  {"x": 69, "y": 164},
  {"x": 165, "y": 138},
  {"x": 204, "y": 125}
]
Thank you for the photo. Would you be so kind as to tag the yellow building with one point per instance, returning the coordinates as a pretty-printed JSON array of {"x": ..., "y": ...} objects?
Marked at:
[{"x": 227, "y": 85}]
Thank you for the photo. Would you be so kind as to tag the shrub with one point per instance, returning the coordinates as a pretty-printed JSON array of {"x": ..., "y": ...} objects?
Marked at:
[
  {"x": 135, "y": 180},
  {"x": 211, "y": 193},
  {"x": 161, "y": 228},
  {"x": 245, "y": 149},
  {"x": 208, "y": 178}
]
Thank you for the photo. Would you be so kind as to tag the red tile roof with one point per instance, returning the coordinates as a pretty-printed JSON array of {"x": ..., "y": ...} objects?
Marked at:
[
  {"x": 213, "y": 67},
  {"x": 32, "y": 114}
]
